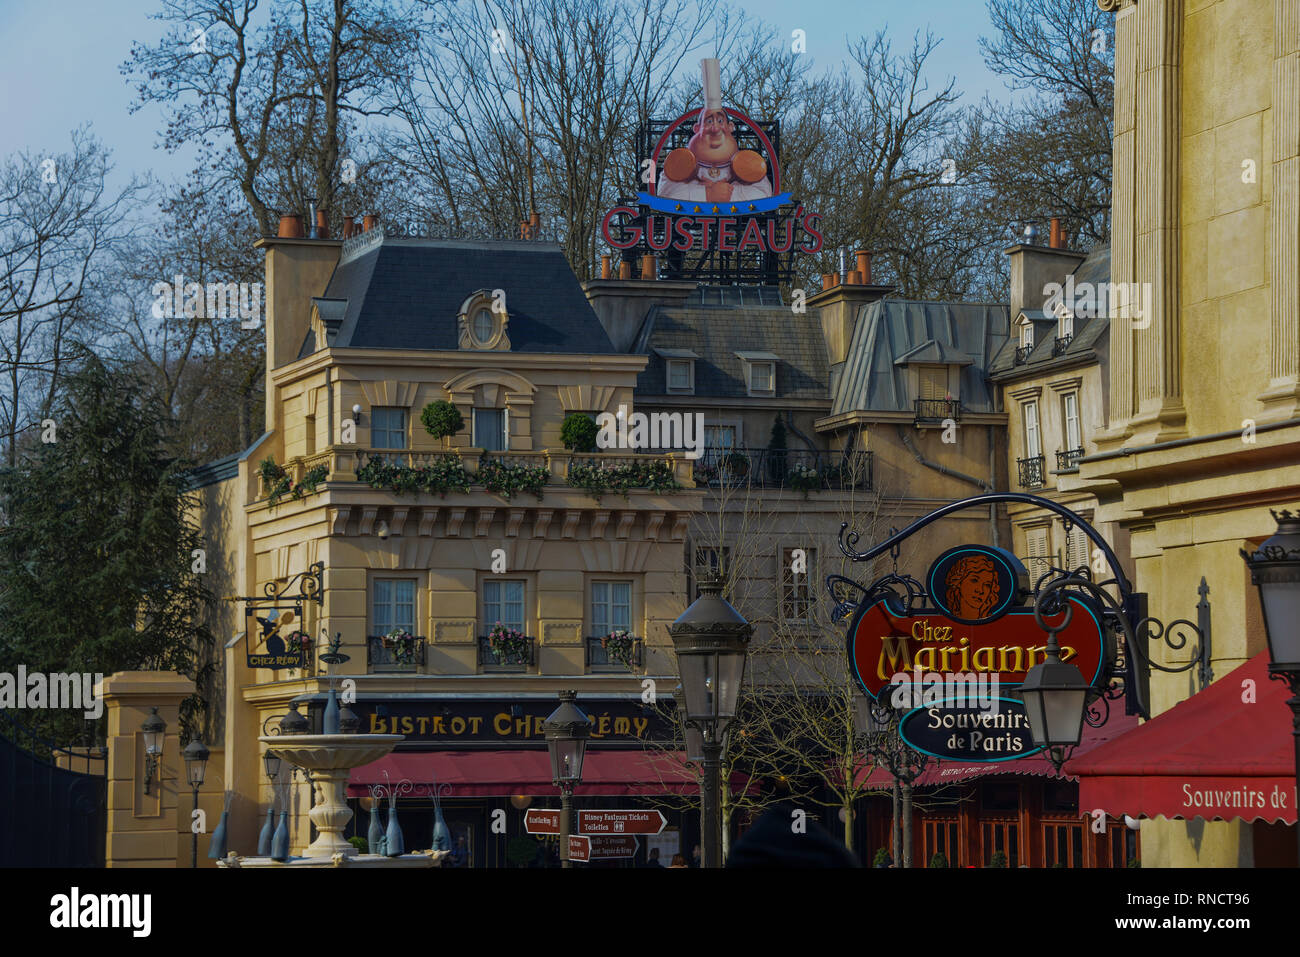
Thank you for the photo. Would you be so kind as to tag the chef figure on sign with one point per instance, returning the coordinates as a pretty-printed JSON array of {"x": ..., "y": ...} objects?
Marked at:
[{"x": 713, "y": 168}]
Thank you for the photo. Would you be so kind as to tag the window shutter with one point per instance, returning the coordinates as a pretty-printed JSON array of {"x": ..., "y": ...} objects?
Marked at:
[
  {"x": 1036, "y": 546},
  {"x": 934, "y": 382}
]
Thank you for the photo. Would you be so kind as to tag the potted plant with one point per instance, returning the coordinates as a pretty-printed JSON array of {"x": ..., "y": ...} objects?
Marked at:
[
  {"x": 579, "y": 432},
  {"x": 882, "y": 858},
  {"x": 400, "y": 644},
  {"x": 509, "y": 645},
  {"x": 778, "y": 458},
  {"x": 999, "y": 859},
  {"x": 619, "y": 645},
  {"x": 940, "y": 859},
  {"x": 442, "y": 420},
  {"x": 736, "y": 463},
  {"x": 803, "y": 479}
]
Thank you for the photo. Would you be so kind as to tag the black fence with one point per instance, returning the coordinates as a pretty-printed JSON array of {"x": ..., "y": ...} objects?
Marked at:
[
  {"x": 1032, "y": 471},
  {"x": 797, "y": 469},
  {"x": 516, "y": 659},
  {"x": 936, "y": 410}
]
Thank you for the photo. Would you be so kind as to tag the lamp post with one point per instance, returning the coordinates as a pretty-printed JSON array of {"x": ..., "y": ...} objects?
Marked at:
[
  {"x": 1275, "y": 570},
  {"x": 154, "y": 729},
  {"x": 566, "y": 733},
  {"x": 710, "y": 639},
  {"x": 196, "y": 765}
]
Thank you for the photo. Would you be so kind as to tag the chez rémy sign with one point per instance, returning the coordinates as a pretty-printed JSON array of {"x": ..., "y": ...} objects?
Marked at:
[{"x": 976, "y": 628}]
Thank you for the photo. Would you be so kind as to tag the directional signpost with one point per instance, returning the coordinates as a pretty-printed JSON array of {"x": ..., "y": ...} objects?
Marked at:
[
  {"x": 542, "y": 821},
  {"x": 579, "y": 848},
  {"x": 614, "y": 847},
  {"x": 621, "y": 822}
]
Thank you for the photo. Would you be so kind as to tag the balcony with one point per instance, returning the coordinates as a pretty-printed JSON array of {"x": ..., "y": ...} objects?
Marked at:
[
  {"x": 937, "y": 410},
  {"x": 608, "y": 658},
  {"x": 1032, "y": 471},
  {"x": 1022, "y": 354},
  {"x": 1061, "y": 344},
  {"x": 1068, "y": 461},
  {"x": 802, "y": 470},
  {"x": 517, "y": 658},
  {"x": 386, "y": 657}
]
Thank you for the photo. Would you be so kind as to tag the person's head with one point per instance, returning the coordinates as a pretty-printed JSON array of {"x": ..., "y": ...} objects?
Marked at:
[
  {"x": 972, "y": 586},
  {"x": 695, "y": 851},
  {"x": 678, "y": 861},
  {"x": 714, "y": 141}
]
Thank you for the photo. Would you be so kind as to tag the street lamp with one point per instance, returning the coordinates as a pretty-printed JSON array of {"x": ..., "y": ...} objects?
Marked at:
[
  {"x": 154, "y": 730},
  {"x": 1275, "y": 570},
  {"x": 196, "y": 766},
  {"x": 566, "y": 733},
  {"x": 710, "y": 639},
  {"x": 1054, "y": 693}
]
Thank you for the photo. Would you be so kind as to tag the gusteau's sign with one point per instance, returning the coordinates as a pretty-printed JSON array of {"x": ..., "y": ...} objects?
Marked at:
[
  {"x": 711, "y": 194},
  {"x": 977, "y": 629}
]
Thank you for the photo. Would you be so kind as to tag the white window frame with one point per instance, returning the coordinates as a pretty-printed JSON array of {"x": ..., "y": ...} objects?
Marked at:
[
  {"x": 1067, "y": 324},
  {"x": 402, "y": 432},
  {"x": 1027, "y": 334},
  {"x": 753, "y": 366},
  {"x": 1029, "y": 412},
  {"x": 380, "y": 628},
  {"x": 669, "y": 365},
  {"x": 1068, "y": 399},
  {"x": 499, "y": 585},
  {"x": 505, "y": 427},
  {"x": 611, "y": 586}
]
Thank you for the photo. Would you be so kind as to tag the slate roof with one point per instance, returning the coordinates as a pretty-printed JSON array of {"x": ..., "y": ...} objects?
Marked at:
[
  {"x": 1089, "y": 331},
  {"x": 871, "y": 379},
  {"x": 717, "y": 333},
  {"x": 407, "y": 294}
]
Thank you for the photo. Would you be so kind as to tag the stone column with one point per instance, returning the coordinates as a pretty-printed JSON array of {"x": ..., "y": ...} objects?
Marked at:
[{"x": 142, "y": 829}]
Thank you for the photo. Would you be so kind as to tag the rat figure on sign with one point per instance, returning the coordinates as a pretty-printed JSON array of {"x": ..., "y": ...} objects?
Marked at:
[{"x": 713, "y": 168}]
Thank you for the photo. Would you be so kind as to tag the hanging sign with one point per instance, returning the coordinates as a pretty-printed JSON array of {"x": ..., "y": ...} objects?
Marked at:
[{"x": 965, "y": 733}]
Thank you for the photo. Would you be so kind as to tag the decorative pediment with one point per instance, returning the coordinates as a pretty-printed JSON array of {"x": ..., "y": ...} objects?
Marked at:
[{"x": 327, "y": 319}]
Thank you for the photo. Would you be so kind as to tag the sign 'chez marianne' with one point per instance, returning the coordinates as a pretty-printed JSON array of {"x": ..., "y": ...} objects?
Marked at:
[{"x": 977, "y": 627}]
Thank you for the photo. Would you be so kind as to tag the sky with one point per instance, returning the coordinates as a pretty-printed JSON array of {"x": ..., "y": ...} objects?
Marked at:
[{"x": 62, "y": 58}]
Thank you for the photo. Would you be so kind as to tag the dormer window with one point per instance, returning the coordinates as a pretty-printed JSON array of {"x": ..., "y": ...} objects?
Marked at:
[
  {"x": 679, "y": 370},
  {"x": 1026, "y": 335},
  {"x": 1066, "y": 329},
  {"x": 760, "y": 372},
  {"x": 483, "y": 321}
]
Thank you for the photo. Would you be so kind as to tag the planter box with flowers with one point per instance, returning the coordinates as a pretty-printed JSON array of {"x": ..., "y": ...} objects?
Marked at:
[
  {"x": 619, "y": 648},
  {"x": 277, "y": 482},
  {"x": 506, "y": 646},
  {"x": 398, "y": 650}
]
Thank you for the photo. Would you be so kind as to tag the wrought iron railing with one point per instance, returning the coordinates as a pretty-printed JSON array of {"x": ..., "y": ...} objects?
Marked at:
[
  {"x": 936, "y": 410},
  {"x": 1022, "y": 354},
  {"x": 1061, "y": 344},
  {"x": 391, "y": 657},
  {"x": 1068, "y": 461},
  {"x": 507, "y": 658},
  {"x": 798, "y": 469},
  {"x": 1032, "y": 471},
  {"x": 608, "y": 656}
]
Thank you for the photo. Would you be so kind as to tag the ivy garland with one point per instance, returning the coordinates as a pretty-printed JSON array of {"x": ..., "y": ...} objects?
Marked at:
[
  {"x": 508, "y": 480},
  {"x": 280, "y": 483},
  {"x": 445, "y": 475},
  {"x": 596, "y": 478}
]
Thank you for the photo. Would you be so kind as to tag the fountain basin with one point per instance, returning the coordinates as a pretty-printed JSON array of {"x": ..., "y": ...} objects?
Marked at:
[{"x": 330, "y": 752}]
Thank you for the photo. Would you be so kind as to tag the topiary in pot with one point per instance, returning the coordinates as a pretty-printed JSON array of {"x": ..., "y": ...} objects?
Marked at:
[
  {"x": 882, "y": 858},
  {"x": 999, "y": 859},
  {"x": 442, "y": 419},
  {"x": 579, "y": 432},
  {"x": 939, "y": 860}
]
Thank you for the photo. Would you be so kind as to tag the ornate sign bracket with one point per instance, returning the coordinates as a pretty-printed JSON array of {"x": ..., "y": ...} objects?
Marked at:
[{"x": 305, "y": 586}]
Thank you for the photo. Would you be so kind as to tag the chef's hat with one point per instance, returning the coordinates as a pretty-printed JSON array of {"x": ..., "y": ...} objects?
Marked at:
[{"x": 712, "y": 71}]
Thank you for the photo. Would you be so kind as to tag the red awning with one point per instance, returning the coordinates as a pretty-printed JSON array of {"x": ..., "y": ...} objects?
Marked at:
[
  {"x": 1213, "y": 756},
  {"x": 505, "y": 773},
  {"x": 939, "y": 772}
]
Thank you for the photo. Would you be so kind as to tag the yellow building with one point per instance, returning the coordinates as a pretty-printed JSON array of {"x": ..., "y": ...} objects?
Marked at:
[{"x": 1203, "y": 421}]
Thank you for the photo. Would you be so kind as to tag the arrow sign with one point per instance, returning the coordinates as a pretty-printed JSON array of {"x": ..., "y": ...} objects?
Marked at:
[
  {"x": 579, "y": 848},
  {"x": 542, "y": 821},
  {"x": 621, "y": 822},
  {"x": 614, "y": 847}
]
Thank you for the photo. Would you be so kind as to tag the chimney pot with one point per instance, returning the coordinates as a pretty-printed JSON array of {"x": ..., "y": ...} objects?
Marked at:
[
  {"x": 290, "y": 227},
  {"x": 534, "y": 220},
  {"x": 854, "y": 278},
  {"x": 369, "y": 223},
  {"x": 864, "y": 266},
  {"x": 624, "y": 270},
  {"x": 1056, "y": 239},
  {"x": 322, "y": 225},
  {"x": 828, "y": 280},
  {"x": 648, "y": 267},
  {"x": 604, "y": 266}
]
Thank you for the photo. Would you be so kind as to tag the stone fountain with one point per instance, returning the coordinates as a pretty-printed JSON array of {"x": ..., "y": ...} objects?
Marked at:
[{"x": 328, "y": 758}]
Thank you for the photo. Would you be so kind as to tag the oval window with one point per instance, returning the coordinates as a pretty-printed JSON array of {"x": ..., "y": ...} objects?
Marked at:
[{"x": 484, "y": 326}]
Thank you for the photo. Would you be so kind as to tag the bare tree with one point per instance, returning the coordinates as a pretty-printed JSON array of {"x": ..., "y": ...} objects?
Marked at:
[{"x": 58, "y": 224}]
